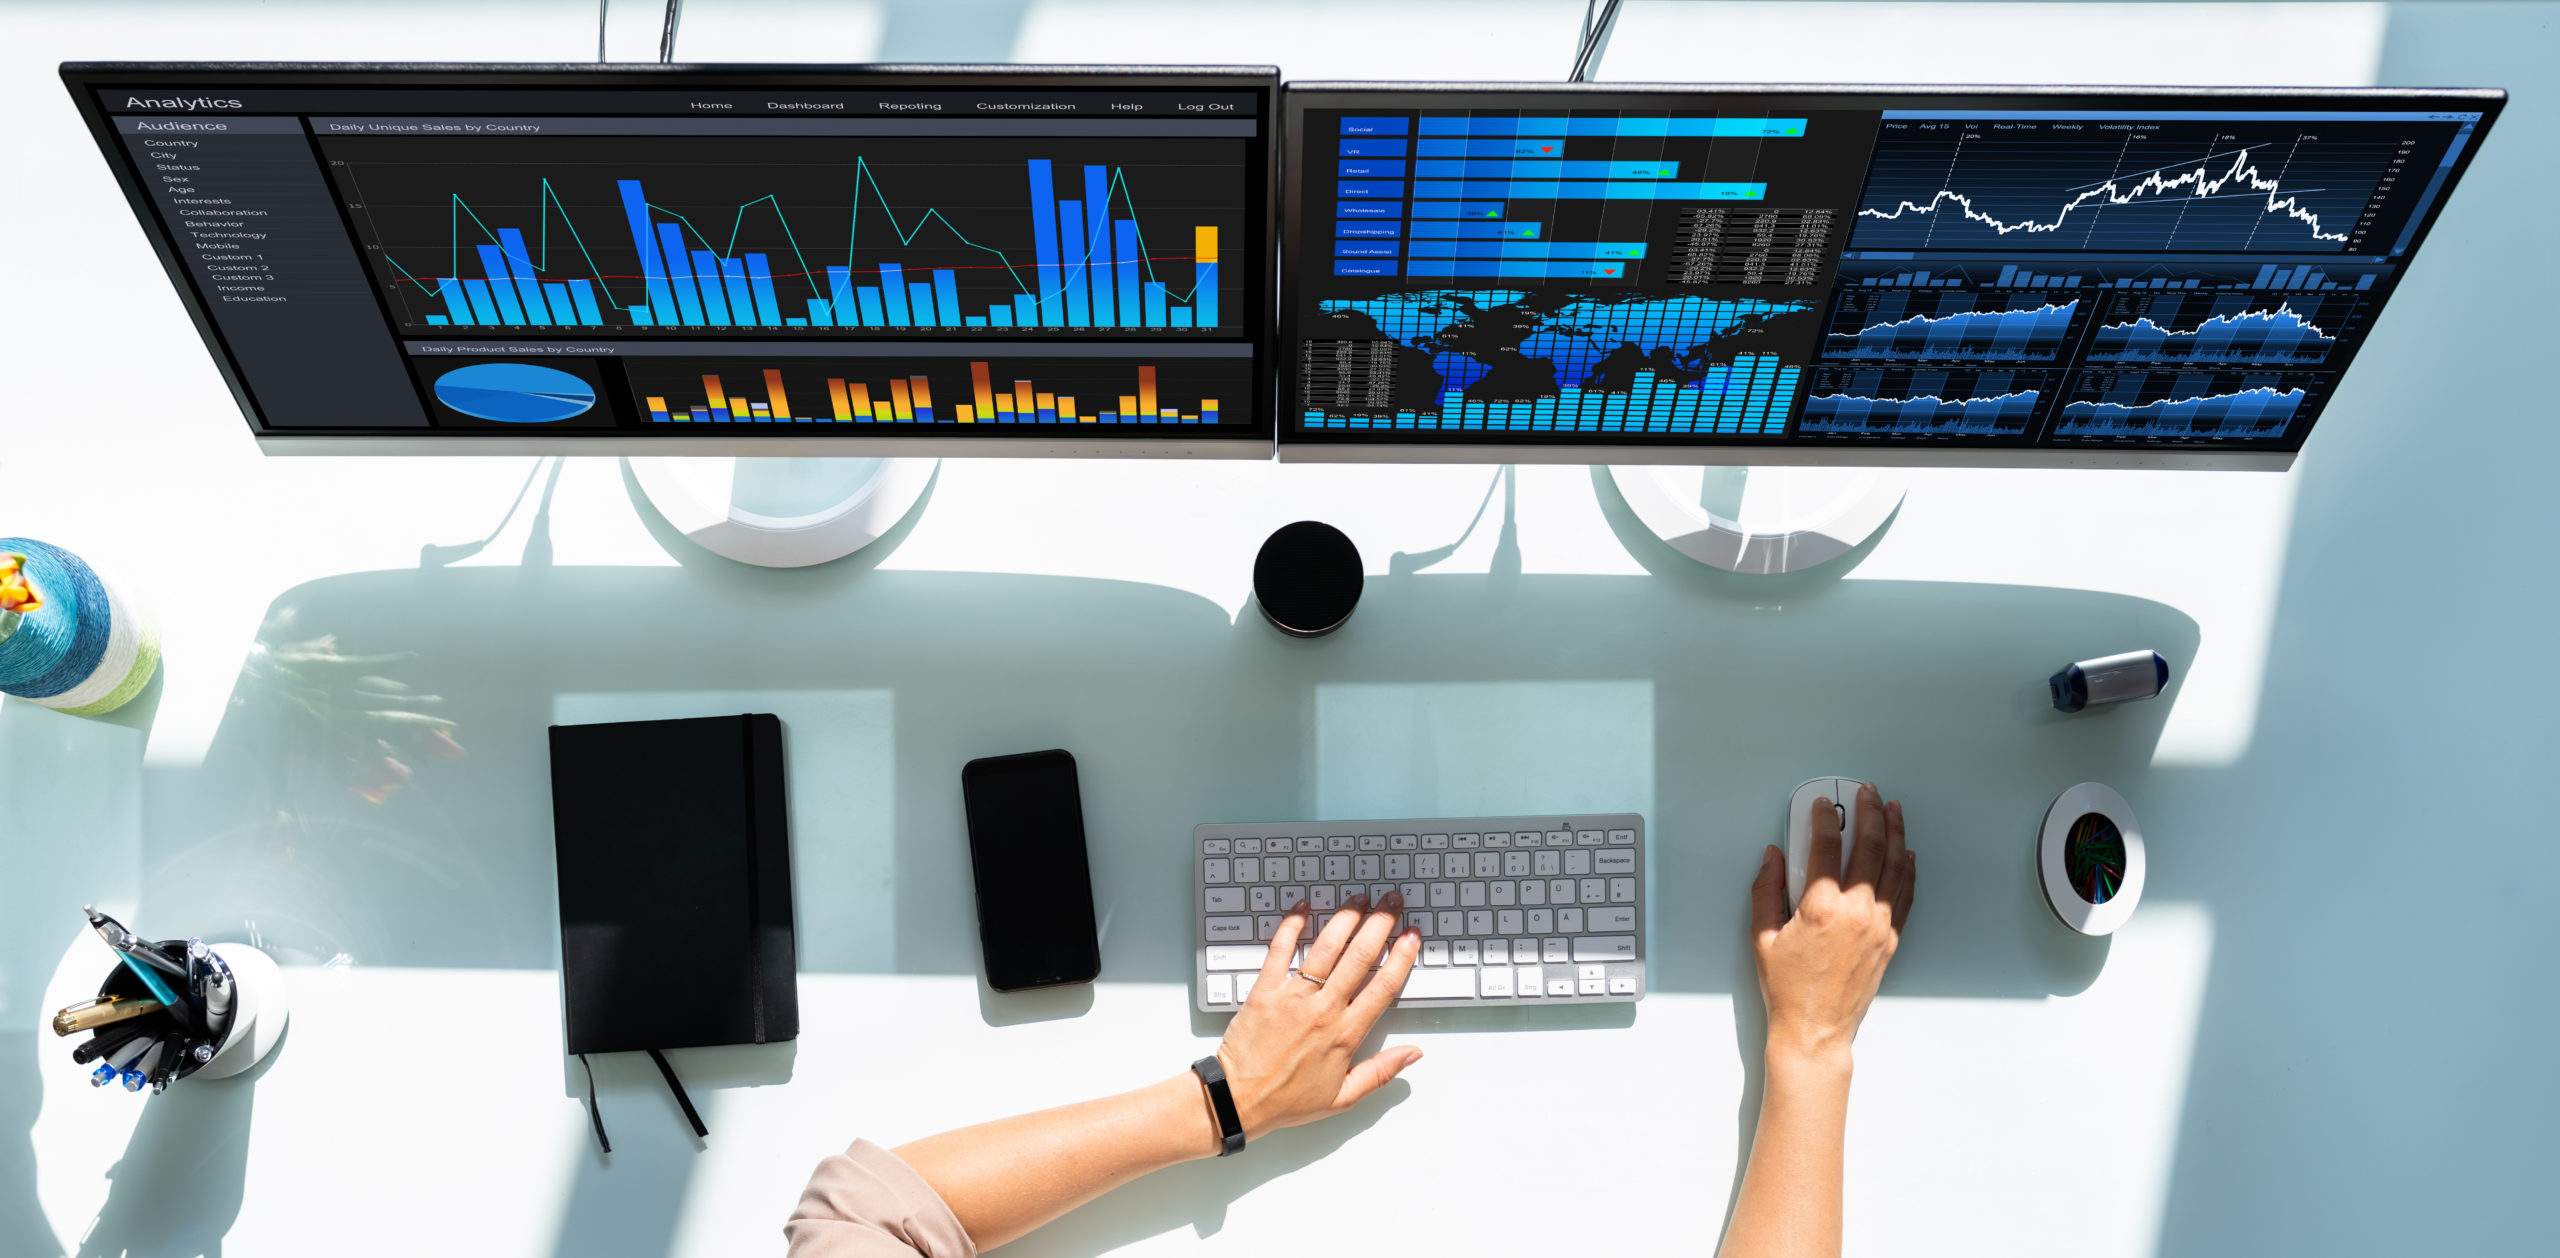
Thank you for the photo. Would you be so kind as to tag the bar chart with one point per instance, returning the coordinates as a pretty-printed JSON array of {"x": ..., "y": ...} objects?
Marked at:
[
  {"x": 1746, "y": 397},
  {"x": 1917, "y": 403},
  {"x": 889, "y": 235},
  {"x": 2129, "y": 272},
  {"x": 953, "y": 391},
  {"x": 2184, "y": 406},
  {"x": 2234, "y": 328},
  {"x": 1959, "y": 324}
]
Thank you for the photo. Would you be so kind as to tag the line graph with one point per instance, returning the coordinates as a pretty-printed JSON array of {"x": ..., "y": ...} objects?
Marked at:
[
  {"x": 1948, "y": 324},
  {"x": 2232, "y": 328},
  {"x": 676, "y": 236},
  {"x": 2185, "y": 406},
  {"x": 1914, "y": 403},
  {"x": 2203, "y": 186}
]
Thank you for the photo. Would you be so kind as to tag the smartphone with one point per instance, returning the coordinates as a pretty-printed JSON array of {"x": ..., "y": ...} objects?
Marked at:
[{"x": 1035, "y": 890}]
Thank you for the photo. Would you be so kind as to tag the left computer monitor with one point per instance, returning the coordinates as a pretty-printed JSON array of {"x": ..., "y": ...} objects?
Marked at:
[{"x": 734, "y": 260}]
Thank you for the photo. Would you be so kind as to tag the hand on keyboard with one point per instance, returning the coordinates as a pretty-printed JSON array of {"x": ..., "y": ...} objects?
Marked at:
[
  {"x": 1819, "y": 969},
  {"x": 1288, "y": 1053}
]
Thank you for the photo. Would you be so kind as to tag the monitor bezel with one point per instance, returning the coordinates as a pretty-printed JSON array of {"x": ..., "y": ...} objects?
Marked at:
[
  {"x": 82, "y": 78},
  {"x": 1296, "y": 98}
]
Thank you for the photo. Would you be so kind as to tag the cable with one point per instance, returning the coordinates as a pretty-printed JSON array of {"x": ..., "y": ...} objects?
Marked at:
[
  {"x": 1599, "y": 17},
  {"x": 601, "y": 7},
  {"x": 667, "y": 39}
]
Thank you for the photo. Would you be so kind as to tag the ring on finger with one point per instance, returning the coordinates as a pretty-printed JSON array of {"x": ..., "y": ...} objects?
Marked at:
[{"x": 1309, "y": 977}]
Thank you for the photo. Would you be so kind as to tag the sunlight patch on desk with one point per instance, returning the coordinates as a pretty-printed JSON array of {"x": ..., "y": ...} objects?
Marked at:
[
  {"x": 1483, "y": 748},
  {"x": 840, "y": 770}
]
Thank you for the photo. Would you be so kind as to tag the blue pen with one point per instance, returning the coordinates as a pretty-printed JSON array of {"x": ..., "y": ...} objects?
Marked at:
[{"x": 143, "y": 960}]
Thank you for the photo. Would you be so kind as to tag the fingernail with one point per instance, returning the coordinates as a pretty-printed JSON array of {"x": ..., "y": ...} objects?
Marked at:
[
  {"x": 1301, "y": 907},
  {"x": 1356, "y": 903},
  {"x": 1412, "y": 1055},
  {"x": 1391, "y": 902}
]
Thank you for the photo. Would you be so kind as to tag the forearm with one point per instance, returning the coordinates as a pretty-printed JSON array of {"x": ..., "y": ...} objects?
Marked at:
[
  {"x": 1007, "y": 1177},
  {"x": 1790, "y": 1201}
]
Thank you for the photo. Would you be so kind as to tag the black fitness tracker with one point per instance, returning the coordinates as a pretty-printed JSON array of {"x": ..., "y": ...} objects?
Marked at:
[{"x": 1230, "y": 1128}]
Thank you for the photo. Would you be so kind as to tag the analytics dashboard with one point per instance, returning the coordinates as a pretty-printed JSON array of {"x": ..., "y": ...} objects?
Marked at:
[
  {"x": 965, "y": 256},
  {"x": 1877, "y": 271}
]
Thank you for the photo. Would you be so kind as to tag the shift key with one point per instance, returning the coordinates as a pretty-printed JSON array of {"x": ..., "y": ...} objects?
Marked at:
[{"x": 1604, "y": 948}]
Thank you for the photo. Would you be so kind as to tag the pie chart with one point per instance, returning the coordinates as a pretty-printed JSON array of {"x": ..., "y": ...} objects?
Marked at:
[{"x": 515, "y": 393}]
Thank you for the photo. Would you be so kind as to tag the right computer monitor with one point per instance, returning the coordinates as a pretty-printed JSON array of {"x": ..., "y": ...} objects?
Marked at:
[{"x": 2038, "y": 277}]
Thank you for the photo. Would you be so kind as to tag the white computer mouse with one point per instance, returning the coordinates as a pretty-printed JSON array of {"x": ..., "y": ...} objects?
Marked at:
[{"x": 1843, "y": 794}]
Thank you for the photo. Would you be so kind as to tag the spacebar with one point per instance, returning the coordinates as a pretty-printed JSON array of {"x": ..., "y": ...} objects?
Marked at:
[{"x": 1439, "y": 984}]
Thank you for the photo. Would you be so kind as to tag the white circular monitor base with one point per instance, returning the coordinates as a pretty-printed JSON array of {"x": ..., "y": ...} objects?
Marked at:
[
  {"x": 783, "y": 513},
  {"x": 1762, "y": 519}
]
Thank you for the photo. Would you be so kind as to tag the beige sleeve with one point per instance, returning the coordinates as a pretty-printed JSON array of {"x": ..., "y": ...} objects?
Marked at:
[{"x": 867, "y": 1203}]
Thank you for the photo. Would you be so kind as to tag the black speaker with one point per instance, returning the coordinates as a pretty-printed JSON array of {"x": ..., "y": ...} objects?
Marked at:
[{"x": 1307, "y": 579}]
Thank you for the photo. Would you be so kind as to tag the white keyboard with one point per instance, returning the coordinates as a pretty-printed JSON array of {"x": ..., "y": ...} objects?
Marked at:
[{"x": 1512, "y": 910}]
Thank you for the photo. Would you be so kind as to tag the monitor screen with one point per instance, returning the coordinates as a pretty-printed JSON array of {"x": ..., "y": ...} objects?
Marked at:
[
  {"x": 737, "y": 260},
  {"x": 1849, "y": 275}
]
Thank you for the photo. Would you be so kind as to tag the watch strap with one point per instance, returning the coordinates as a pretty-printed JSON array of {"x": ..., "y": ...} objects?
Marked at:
[{"x": 1222, "y": 1102}]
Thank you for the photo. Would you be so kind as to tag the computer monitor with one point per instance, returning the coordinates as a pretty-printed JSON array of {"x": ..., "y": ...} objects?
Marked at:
[
  {"x": 879, "y": 260},
  {"x": 1849, "y": 275}
]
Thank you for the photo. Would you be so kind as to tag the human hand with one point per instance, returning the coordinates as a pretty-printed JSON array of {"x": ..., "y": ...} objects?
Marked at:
[
  {"x": 1819, "y": 968},
  {"x": 1287, "y": 1053}
]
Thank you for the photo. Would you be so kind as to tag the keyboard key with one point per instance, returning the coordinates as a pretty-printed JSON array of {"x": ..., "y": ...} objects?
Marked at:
[
  {"x": 1244, "y": 987},
  {"x": 1528, "y": 982},
  {"x": 1462, "y": 952},
  {"x": 1494, "y": 980},
  {"x": 1595, "y": 987},
  {"x": 1622, "y": 891},
  {"x": 1542, "y": 921},
  {"x": 1595, "y": 891},
  {"x": 1311, "y": 843},
  {"x": 1341, "y": 843},
  {"x": 1214, "y": 870},
  {"x": 1365, "y": 868},
  {"x": 1463, "y": 842},
  {"x": 1559, "y": 987},
  {"x": 1373, "y": 843},
  {"x": 1320, "y": 899},
  {"x": 1586, "y": 838},
  {"x": 1435, "y": 843},
  {"x": 1623, "y": 986},
  {"x": 1497, "y": 838},
  {"x": 1222, "y": 989},
  {"x": 1223, "y": 900},
  {"x": 1560, "y": 890},
  {"x": 1229, "y": 928},
  {"x": 1248, "y": 869},
  {"x": 1488, "y": 864},
  {"x": 1266, "y": 926},
  {"x": 1577, "y": 863},
  {"x": 1379, "y": 891},
  {"x": 1451, "y": 922},
  {"x": 1550, "y": 864},
  {"x": 1265, "y": 899},
  {"x": 1411, "y": 891},
  {"x": 1613, "y": 861},
  {"x": 1501, "y": 893},
  {"x": 1400, "y": 842},
  {"x": 1568, "y": 921},
  {"x": 1435, "y": 952},
  {"x": 1426, "y": 865},
  {"x": 1527, "y": 838},
  {"x": 1352, "y": 891},
  {"x": 1559, "y": 838},
  {"x": 1439, "y": 984},
  {"x": 1515, "y": 864},
  {"x": 1559, "y": 951},
  {"x": 1307, "y": 869},
  {"x": 1605, "y": 948},
  {"x": 1524, "y": 951},
  {"x": 1470, "y": 895},
  {"x": 1234, "y": 957},
  {"x": 1622, "y": 838},
  {"x": 1444, "y": 895},
  {"x": 1291, "y": 896},
  {"x": 1507, "y": 921},
  {"x": 1337, "y": 868},
  {"x": 1399, "y": 867},
  {"x": 1479, "y": 921},
  {"x": 1420, "y": 922},
  {"x": 1248, "y": 847},
  {"x": 1213, "y": 847},
  {"x": 1533, "y": 891},
  {"x": 1611, "y": 918}
]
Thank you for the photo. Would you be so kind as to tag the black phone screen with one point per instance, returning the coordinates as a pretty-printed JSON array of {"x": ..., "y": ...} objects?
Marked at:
[{"x": 1035, "y": 891}]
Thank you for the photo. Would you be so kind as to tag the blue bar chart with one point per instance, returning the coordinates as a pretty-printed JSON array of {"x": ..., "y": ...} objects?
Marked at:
[{"x": 1746, "y": 397}]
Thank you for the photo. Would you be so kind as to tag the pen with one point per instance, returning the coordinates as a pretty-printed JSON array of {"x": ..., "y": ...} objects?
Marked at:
[
  {"x": 147, "y": 963},
  {"x": 89, "y": 1015},
  {"x": 120, "y": 1061},
  {"x": 106, "y": 1042},
  {"x": 140, "y": 1072}
]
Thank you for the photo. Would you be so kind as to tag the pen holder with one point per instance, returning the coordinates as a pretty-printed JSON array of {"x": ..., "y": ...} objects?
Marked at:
[{"x": 247, "y": 1031}]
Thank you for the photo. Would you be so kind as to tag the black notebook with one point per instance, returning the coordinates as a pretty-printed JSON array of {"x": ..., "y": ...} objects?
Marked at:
[{"x": 675, "y": 883}]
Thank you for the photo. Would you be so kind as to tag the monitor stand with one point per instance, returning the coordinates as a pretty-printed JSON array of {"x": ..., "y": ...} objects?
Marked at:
[
  {"x": 1762, "y": 519},
  {"x": 783, "y": 513}
]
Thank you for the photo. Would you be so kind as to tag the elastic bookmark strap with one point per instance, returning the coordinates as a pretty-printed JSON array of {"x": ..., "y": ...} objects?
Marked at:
[
  {"x": 592, "y": 1112},
  {"x": 1222, "y": 1101},
  {"x": 681, "y": 1098}
]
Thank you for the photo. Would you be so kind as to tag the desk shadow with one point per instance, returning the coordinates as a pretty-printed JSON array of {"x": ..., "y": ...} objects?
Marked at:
[
  {"x": 177, "y": 1189},
  {"x": 627, "y": 1202},
  {"x": 379, "y": 788}
]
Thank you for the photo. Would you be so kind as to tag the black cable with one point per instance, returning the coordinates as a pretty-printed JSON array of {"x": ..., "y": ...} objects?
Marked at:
[
  {"x": 678, "y": 1089},
  {"x": 1599, "y": 17},
  {"x": 593, "y": 1113},
  {"x": 667, "y": 38},
  {"x": 601, "y": 7}
]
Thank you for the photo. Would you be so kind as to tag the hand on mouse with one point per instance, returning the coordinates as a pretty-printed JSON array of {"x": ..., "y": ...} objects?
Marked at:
[
  {"x": 1288, "y": 1053},
  {"x": 1819, "y": 968}
]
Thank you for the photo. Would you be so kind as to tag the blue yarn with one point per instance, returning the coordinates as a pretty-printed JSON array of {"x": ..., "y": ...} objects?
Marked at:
[
  {"x": 44, "y": 635},
  {"x": 59, "y": 572}
]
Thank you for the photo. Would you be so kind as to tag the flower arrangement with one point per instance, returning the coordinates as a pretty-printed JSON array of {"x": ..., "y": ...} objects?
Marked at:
[{"x": 16, "y": 596}]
